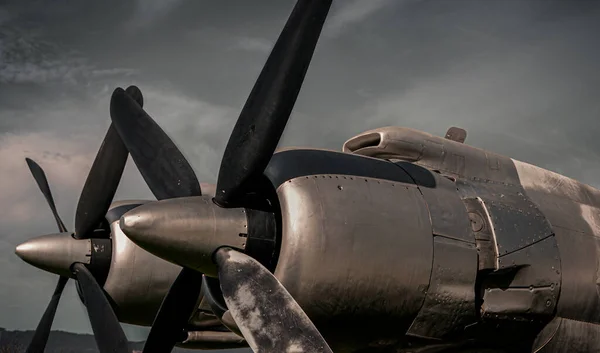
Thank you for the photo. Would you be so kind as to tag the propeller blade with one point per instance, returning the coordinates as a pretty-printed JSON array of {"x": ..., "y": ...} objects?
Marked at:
[
  {"x": 266, "y": 313},
  {"x": 216, "y": 302},
  {"x": 40, "y": 337},
  {"x": 42, "y": 181},
  {"x": 174, "y": 313},
  {"x": 269, "y": 105},
  {"x": 101, "y": 184},
  {"x": 103, "y": 179},
  {"x": 163, "y": 167},
  {"x": 212, "y": 294},
  {"x": 107, "y": 330}
]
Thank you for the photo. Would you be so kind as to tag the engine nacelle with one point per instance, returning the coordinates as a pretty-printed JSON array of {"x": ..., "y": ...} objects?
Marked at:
[
  {"x": 137, "y": 281},
  {"x": 447, "y": 260}
]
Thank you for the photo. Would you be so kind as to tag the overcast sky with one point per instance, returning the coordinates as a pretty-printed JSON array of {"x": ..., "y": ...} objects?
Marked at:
[{"x": 521, "y": 76}]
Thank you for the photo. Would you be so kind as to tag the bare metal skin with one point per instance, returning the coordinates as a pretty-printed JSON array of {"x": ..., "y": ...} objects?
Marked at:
[{"x": 413, "y": 242}]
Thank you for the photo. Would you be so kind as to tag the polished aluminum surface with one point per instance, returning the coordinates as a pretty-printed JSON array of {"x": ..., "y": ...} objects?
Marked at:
[
  {"x": 186, "y": 231},
  {"x": 55, "y": 252},
  {"x": 355, "y": 245},
  {"x": 137, "y": 281}
]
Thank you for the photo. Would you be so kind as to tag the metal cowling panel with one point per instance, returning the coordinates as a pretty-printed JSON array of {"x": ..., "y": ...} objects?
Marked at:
[
  {"x": 450, "y": 304},
  {"x": 332, "y": 224}
]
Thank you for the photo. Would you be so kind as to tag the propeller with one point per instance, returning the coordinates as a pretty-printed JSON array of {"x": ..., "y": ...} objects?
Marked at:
[
  {"x": 174, "y": 313},
  {"x": 70, "y": 251},
  {"x": 269, "y": 105},
  {"x": 243, "y": 281},
  {"x": 168, "y": 175},
  {"x": 163, "y": 167},
  {"x": 256, "y": 298},
  {"x": 107, "y": 329}
]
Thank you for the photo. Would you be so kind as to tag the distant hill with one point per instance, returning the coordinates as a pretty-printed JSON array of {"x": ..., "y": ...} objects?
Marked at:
[{"x": 69, "y": 342}]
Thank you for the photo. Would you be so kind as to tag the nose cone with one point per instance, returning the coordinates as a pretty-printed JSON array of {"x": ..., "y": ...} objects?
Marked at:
[
  {"x": 186, "y": 231},
  {"x": 55, "y": 252}
]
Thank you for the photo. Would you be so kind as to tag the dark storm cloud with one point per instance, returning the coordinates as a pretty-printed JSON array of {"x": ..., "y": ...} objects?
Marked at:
[{"x": 521, "y": 76}]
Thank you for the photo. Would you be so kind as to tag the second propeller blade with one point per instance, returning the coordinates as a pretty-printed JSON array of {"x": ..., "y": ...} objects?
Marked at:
[
  {"x": 40, "y": 337},
  {"x": 266, "y": 313},
  {"x": 269, "y": 105},
  {"x": 103, "y": 179},
  {"x": 107, "y": 330},
  {"x": 162, "y": 165},
  {"x": 42, "y": 181},
  {"x": 174, "y": 313}
]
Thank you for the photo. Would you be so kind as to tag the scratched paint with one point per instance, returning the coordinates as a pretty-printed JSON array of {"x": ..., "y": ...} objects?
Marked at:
[
  {"x": 592, "y": 217},
  {"x": 255, "y": 299},
  {"x": 542, "y": 180}
]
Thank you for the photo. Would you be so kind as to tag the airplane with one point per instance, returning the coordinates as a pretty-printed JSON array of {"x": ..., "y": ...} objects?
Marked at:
[{"x": 401, "y": 242}]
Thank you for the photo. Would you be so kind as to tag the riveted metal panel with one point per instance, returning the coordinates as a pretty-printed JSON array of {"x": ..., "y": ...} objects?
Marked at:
[
  {"x": 539, "y": 265},
  {"x": 515, "y": 220},
  {"x": 450, "y": 302},
  {"x": 466, "y": 161},
  {"x": 527, "y": 284},
  {"x": 449, "y": 216},
  {"x": 516, "y": 227},
  {"x": 491, "y": 190},
  {"x": 290, "y": 164},
  {"x": 356, "y": 254}
]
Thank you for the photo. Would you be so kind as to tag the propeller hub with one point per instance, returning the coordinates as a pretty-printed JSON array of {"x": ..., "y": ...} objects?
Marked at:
[
  {"x": 186, "y": 231},
  {"x": 55, "y": 252}
]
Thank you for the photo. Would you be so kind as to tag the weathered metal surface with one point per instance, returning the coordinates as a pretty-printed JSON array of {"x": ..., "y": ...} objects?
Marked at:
[
  {"x": 433, "y": 152},
  {"x": 450, "y": 302},
  {"x": 449, "y": 216},
  {"x": 515, "y": 220},
  {"x": 539, "y": 265},
  {"x": 256, "y": 298},
  {"x": 331, "y": 225},
  {"x": 534, "y": 178},
  {"x": 483, "y": 234},
  {"x": 573, "y": 336},
  {"x": 456, "y": 134},
  {"x": 516, "y": 227},
  {"x": 572, "y": 209},
  {"x": 526, "y": 286},
  {"x": 579, "y": 298}
]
